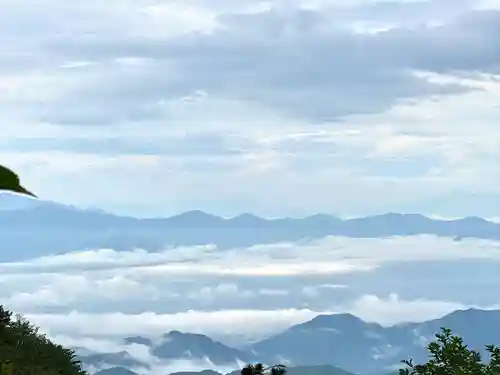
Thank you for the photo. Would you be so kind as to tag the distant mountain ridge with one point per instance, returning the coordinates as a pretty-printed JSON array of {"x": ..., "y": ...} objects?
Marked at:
[
  {"x": 298, "y": 370},
  {"x": 174, "y": 346},
  {"x": 346, "y": 341},
  {"x": 342, "y": 340},
  {"x": 179, "y": 345},
  {"x": 41, "y": 228}
]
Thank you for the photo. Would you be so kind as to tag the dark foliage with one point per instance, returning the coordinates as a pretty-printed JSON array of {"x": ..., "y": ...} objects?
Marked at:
[
  {"x": 30, "y": 352},
  {"x": 450, "y": 356},
  {"x": 9, "y": 181}
]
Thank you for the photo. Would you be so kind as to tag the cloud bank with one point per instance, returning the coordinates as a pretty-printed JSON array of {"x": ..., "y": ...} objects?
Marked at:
[{"x": 269, "y": 287}]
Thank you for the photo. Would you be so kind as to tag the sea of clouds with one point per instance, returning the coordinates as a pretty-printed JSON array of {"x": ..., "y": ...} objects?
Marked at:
[{"x": 248, "y": 293}]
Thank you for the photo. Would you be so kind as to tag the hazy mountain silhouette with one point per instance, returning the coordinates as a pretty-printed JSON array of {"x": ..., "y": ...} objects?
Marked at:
[
  {"x": 35, "y": 228},
  {"x": 122, "y": 358},
  {"x": 341, "y": 340},
  {"x": 117, "y": 370},
  {"x": 348, "y": 342},
  {"x": 310, "y": 370},
  {"x": 203, "y": 372},
  {"x": 190, "y": 346},
  {"x": 298, "y": 370},
  {"x": 138, "y": 340}
]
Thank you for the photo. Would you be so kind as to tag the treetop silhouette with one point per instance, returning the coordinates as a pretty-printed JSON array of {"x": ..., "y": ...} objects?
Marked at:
[{"x": 10, "y": 181}]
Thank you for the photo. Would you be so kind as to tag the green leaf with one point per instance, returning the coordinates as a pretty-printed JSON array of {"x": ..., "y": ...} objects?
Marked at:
[{"x": 10, "y": 181}]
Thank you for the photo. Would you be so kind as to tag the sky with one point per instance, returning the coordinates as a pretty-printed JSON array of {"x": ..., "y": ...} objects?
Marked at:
[{"x": 279, "y": 108}]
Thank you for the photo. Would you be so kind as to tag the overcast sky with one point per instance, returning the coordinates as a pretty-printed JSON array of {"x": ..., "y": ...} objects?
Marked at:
[{"x": 276, "y": 107}]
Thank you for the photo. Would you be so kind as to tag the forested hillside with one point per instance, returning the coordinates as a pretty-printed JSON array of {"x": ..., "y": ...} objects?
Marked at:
[{"x": 23, "y": 350}]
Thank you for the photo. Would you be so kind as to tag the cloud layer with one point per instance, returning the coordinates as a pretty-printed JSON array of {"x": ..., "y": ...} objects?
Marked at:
[{"x": 201, "y": 289}]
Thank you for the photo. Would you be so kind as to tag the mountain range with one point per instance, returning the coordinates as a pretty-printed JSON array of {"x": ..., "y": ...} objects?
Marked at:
[
  {"x": 37, "y": 228},
  {"x": 297, "y": 370},
  {"x": 341, "y": 342}
]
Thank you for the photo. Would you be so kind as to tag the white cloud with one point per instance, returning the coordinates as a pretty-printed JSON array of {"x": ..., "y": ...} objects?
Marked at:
[
  {"x": 103, "y": 332},
  {"x": 284, "y": 275},
  {"x": 329, "y": 255},
  {"x": 393, "y": 309},
  {"x": 251, "y": 323},
  {"x": 316, "y": 290}
]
